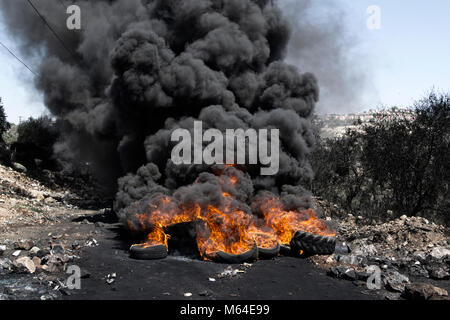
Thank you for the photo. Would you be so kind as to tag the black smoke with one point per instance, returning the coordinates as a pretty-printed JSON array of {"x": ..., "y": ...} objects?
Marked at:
[{"x": 142, "y": 68}]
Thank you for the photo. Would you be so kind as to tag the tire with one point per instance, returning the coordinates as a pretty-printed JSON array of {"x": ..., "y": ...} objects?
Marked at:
[
  {"x": 285, "y": 250},
  {"x": 312, "y": 244},
  {"x": 142, "y": 252},
  {"x": 266, "y": 254},
  {"x": 222, "y": 257}
]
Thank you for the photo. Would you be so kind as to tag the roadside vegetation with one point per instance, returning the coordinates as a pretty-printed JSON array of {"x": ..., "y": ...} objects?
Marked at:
[{"x": 397, "y": 165}]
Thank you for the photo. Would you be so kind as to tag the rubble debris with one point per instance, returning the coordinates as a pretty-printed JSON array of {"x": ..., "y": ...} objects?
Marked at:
[
  {"x": 25, "y": 263},
  {"x": 229, "y": 272},
  {"x": 111, "y": 278},
  {"x": 395, "y": 281},
  {"x": 91, "y": 243},
  {"x": 423, "y": 291},
  {"x": 5, "y": 264},
  {"x": 403, "y": 249},
  {"x": 24, "y": 245},
  {"x": 2, "y": 249},
  {"x": 34, "y": 251},
  {"x": 440, "y": 253}
]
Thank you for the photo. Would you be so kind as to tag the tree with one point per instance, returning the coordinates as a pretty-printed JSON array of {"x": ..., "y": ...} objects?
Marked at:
[
  {"x": 4, "y": 125},
  {"x": 399, "y": 162},
  {"x": 36, "y": 138}
]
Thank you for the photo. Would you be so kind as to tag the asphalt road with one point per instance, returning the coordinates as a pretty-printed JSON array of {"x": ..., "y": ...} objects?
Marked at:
[{"x": 284, "y": 278}]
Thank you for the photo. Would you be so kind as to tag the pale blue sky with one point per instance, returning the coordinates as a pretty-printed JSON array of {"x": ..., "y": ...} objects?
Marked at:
[{"x": 406, "y": 58}]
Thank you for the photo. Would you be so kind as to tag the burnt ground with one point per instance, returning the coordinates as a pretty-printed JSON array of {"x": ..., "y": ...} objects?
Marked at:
[{"x": 284, "y": 278}]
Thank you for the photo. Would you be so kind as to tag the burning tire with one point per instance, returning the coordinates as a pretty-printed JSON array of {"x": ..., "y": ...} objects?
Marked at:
[
  {"x": 223, "y": 257},
  {"x": 311, "y": 244},
  {"x": 266, "y": 254},
  {"x": 145, "y": 252},
  {"x": 285, "y": 250}
]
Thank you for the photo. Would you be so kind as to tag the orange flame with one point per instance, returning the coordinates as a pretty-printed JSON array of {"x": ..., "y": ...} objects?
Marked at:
[{"x": 229, "y": 228}]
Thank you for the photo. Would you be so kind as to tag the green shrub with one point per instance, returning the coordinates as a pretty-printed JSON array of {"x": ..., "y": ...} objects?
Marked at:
[{"x": 399, "y": 163}]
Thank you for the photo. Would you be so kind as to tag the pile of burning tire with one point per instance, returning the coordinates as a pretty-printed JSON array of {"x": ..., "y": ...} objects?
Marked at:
[{"x": 303, "y": 244}]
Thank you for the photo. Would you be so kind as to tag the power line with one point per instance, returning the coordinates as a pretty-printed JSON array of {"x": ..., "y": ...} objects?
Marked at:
[
  {"x": 52, "y": 30},
  {"x": 62, "y": 4},
  {"x": 18, "y": 59}
]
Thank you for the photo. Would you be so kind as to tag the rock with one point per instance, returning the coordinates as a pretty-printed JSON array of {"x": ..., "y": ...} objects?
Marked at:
[
  {"x": 418, "y": 271},
  {"x": 342, "y": 248},
  {"x": 49, "y": 200},
  {"x": 34, "y": 251},
  {"x": 439, "y": 274},
  {"x": 343, "y": 273},
  {"x": 392, "y": 296},
  {"x": 351, "y": 260},
  {"x": 37, "y": 262},
  {"x": 58, "y": 249},
  {"x": 42, "y": 253},
  {"x": 440, "y": 253},
  {"x": 2, "y": 250},
  {"x": 6, "y": 264},
  {"x": 25, "y": 263},
  {"x": 19, "y": 167},
  {"x": 420, "y": 255},
  {"x": 367, "y": 250},
  {"x": 422, "y": 291},
  {"x": 350, "y": 274},
  {"x": 24, "y": 245},
  {"x": 396, "y": 282},
  {"x": 16, "y": 253},
  {"x": 203, "y": 293}
]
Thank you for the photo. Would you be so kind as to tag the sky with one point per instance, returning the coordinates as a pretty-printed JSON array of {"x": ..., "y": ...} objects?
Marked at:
[{"x": 406, "y": 58}]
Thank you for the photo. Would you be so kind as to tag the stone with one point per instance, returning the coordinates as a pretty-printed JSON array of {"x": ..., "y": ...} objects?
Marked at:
[
  {"x": 58, "y": 249},
  {"x": 343, "y": 273},
  {"x": 34, "y": 251},
  {"x": 37, "y": 262},
  {"x": 16, "y": 253},
  {"x": 350, "y": 274},
  {"x": 6, "y": 264},
  {"x": 2, "y": 250},
  {"x": 49, "y": 200},
  {"x": 203, "y": 293},
  {"x": 439, "y": 274},
  {"x": 26, "y": 263},
  {"x": 19, "y": 167},
  {"x": 367, "y": 250},
  {"x": 440, "y": 253},
  {"x": 351, "y": 260},
  {"x": 392, "y": 296},
  {"x": 422, "y": 291},
  {"x": 396, "y": 282},
  {"x": 24, "y": 245}
]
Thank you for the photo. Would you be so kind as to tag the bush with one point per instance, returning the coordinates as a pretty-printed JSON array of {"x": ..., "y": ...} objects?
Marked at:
[
  {"x": 4, "y": 126},
  {"x": 399, "y": 163},
  {"x": 34, "y": 145}
]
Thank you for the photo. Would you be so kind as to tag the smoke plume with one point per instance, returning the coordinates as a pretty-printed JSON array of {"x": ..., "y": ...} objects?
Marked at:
[{"x": 141, "y": 68}]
